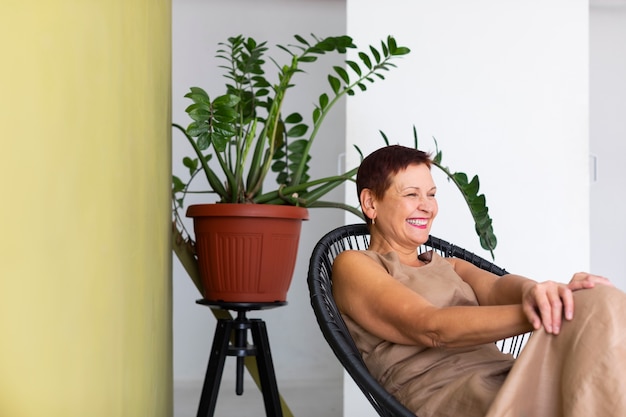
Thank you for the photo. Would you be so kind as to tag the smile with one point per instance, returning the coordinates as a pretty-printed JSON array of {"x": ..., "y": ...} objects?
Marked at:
[{"x": 417, "y": 222}]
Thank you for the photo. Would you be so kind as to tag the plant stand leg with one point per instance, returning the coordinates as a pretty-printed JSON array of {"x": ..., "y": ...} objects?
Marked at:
[
  {"x": 266, "y": 369},
  {"x": 215, "y": 369}
]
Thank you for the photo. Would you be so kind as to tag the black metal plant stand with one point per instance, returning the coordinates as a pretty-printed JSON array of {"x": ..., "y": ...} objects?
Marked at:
[{"x": 222, "y": 346}]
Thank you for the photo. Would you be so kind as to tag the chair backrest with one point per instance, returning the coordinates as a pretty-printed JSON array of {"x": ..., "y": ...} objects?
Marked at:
[{"x": 333, "y": 327}]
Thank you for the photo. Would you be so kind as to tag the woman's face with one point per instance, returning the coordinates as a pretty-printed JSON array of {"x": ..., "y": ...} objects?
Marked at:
[{"x": 406, "y": 212}]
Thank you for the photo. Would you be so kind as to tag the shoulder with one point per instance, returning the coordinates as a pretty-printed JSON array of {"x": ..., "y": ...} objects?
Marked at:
[
  {"x": 355, "y": 264},
  {"x": 472, "y": 274},
  {"x": 459, "y": 265},
  {"x": 354, "y": 257}
]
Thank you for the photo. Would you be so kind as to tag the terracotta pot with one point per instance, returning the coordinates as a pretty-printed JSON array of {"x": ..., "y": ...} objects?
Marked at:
[{"x": 246, "y": 252}]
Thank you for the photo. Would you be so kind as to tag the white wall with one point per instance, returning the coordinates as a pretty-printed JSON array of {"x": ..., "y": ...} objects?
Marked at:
[
  {"x": 298, "y": 348},
  {"x": 608, "y": 138},
  {"x": 502, "y": 85},
  {"x": 505, "y": 94}
]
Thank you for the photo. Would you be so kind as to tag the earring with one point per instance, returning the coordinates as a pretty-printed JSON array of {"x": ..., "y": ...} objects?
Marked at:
[{"x": 373, "y": 221}]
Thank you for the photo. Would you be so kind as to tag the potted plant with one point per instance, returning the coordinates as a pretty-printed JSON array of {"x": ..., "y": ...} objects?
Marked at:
[{"x": 242, "y": 136}]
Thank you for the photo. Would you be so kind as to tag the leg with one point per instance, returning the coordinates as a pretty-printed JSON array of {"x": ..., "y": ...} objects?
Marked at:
[
  {"x": 596, "y": 359},
  {"x": 580, "y": 372}
]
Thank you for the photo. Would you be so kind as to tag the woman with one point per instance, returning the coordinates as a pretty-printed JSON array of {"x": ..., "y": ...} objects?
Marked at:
[{"x": 425, "y": 325}]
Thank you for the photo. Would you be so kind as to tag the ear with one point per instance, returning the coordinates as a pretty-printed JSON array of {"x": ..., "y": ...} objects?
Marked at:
[{"x": 368, "y": 203}]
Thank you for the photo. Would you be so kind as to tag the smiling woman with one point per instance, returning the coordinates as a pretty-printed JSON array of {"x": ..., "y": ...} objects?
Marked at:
[{"x": 426, "y": 326}]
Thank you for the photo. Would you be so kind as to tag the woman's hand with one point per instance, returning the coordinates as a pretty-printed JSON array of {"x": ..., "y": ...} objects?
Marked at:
[
  {"x": 548, "y": 303},
  {"x": 584, "y": 280}
]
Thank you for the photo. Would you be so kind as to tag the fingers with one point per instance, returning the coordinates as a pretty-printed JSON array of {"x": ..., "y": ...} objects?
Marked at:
[
  {"x": 533, "y": 317},
  {"x": 584, "y": 280},
  {"x": 568, "y": 303},
  {"x": 551, "y": 310},
  {"x": 547, "y": 305}
]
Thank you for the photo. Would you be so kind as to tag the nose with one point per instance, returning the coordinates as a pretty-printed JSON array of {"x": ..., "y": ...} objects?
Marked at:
[{"x": 426, "y": 206}]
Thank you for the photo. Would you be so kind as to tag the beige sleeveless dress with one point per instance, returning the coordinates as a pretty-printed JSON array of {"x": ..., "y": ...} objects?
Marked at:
[{"x": 566, "y": 375}]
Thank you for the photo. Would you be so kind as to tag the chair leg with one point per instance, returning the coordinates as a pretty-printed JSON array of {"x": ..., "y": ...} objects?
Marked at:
[
  {"x": 215, "y": 369},
  {"x": 266, "y": 369}
]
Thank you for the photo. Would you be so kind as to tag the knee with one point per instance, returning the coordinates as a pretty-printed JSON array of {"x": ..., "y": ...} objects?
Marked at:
[{"x": 601, "y": 304}]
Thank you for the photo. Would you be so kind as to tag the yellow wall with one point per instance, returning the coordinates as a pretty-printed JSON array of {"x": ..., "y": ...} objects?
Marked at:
[{"x": 85, "y": 288}]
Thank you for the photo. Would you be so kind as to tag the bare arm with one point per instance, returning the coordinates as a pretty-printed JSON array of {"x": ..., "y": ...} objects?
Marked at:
[
  {"x": 545, "y": 304},
  {"x": 491, "y": 289},
  {"x": 388, "y": 309}
]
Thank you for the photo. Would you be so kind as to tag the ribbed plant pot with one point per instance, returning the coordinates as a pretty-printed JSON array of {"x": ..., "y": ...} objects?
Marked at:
[{"x": 246, "y": 252}]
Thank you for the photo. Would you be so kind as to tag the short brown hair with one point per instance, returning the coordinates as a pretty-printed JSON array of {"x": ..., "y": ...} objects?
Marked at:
[{"x": 377, "y": 168}]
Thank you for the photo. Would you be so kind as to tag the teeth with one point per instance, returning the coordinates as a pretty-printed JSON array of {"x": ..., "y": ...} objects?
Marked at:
[{"x": 417, "y": 222}]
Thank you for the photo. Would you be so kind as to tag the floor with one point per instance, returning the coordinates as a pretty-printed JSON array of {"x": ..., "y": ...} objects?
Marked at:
[{"x": 304, "y": 398}]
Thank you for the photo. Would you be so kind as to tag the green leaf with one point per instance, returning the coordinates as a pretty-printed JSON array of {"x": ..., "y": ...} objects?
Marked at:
[
  {"x": 199, "y": 114},
  {"x": 365, "y": 59},
  {"x": 177, "y": 184},
  {"x": 335, "y": 84},
  {"x": 403, "y": 51},
  {"x": 301, "y": 40},
  {"x": 198, "y": 96},
  {"x": 323, "y": 100},
  {"x": 438, "y": 157},
  {"x": 282, "y": 177},
  {"x": 343, "y": 74},
  {"x": 479, "y": 203},
  {"x": 355, "y": 67},
  {"x": 219, "y": 141},
  {"x": 225, "y": 129},
  {"x": 460, "y": 178},
  {"x": 260, "y": 82},
  {"x": 488, "y": 240},
  {"x": 483, "y": 222},
  {"x": 196, "y": 129},
  {"x": 384, "y": 48},
  {"x": 326, "y": 45},
  {"x": 278, "y": 165},
  {"x": 298, "y": 146},
  {"x": 316, "y": 115},
  {"x": 297, "y": 131},
  {"x": 195, "y": 106},
  {"x": 227, "y": 100},
  {"x": 375, "y": 54},
  {"x": 190, "y": 163},
  {"x": 204, "y": 140},
  {"x": 415, "y": 141},
  {"x": 473, "y": 186},
  {"x": 293, "y": 118},
  {"x": 391, "y": 42}
]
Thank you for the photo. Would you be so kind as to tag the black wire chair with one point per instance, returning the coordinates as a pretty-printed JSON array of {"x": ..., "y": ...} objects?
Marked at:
[{"x": 333, "y": 327}]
